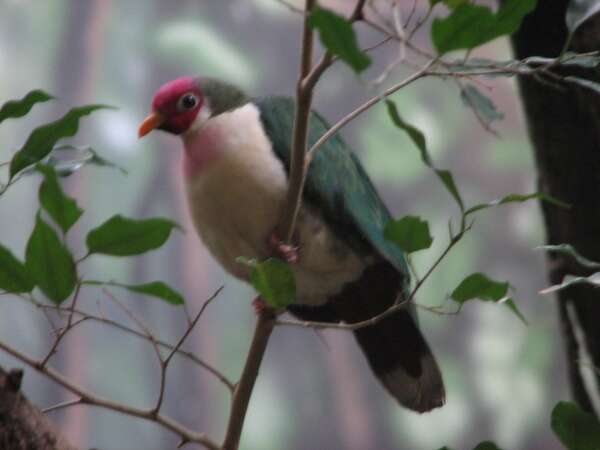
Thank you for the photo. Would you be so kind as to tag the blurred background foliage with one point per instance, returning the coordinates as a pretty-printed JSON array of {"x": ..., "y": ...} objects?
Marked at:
[{"x": 313, "y": 392}]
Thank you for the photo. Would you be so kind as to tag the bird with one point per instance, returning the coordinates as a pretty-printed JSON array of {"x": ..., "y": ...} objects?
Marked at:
[{"x": 235, "y": 167}]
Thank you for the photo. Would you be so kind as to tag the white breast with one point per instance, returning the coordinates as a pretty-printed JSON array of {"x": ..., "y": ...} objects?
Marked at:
[{"x": 236, "y": 202}]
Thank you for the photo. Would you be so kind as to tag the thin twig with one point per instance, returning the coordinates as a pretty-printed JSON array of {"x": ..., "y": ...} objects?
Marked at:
[
  {"x": 367, "y": 105},
  {"x": 62, "y": 405},
  {"x": 164, "y": 364},
  {"x": 62, "y": 333},
  {"x": 124, "y": 328},
  {"x": 138, "y": 321}
]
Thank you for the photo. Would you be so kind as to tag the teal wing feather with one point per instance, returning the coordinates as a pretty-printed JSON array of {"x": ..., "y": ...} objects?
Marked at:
[{"x": 336, "y": 184}]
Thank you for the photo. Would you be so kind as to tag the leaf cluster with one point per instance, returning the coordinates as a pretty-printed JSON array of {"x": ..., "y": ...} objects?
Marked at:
[{"x": 49, "y": 263}]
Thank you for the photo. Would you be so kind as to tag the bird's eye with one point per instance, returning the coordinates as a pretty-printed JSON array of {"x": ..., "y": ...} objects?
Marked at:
[{"x": 187, "y": 102}]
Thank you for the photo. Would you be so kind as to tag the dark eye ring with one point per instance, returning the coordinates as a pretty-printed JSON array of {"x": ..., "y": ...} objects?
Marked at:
[{"x": 188, "y": 102}]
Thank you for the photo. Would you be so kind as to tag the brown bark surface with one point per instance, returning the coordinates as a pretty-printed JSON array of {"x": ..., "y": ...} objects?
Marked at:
[
  {"x": 564, "y": 127},
  {"x": 22, "y": 426}
]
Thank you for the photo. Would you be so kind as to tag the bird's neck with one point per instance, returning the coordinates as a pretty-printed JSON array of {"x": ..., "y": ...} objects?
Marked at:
[
  {"x": 234, "y": 135},
  {"x": 201, "y": 148}
]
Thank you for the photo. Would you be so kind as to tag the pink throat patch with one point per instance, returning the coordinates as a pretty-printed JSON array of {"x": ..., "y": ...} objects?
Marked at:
[{"x": 200, "y": 150}]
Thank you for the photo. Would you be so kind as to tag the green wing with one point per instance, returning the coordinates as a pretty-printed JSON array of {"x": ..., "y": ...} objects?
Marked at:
[{"x": 336, "y": 184}]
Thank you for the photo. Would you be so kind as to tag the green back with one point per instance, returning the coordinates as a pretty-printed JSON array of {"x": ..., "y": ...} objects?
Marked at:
[{"x": 336, "y": 184}]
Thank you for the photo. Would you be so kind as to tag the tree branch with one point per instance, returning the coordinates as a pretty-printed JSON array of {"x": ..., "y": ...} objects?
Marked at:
[
  {"x": 88, "y": 398},
  {"x": 243, "y": 391}
]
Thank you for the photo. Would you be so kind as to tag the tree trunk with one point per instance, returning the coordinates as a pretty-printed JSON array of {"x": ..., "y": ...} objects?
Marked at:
[
  {"x": 22, "y": 426},
  {"x": 564, "y": 127}
]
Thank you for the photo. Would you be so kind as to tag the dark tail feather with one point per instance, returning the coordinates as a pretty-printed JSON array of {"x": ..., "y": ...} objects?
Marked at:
[
  {"x": 403, "y": 362},
  {"x": 395, "y": 348}
]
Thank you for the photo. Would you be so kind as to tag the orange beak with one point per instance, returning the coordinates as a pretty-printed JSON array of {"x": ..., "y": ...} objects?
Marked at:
[{"x": 151, "y": 122}]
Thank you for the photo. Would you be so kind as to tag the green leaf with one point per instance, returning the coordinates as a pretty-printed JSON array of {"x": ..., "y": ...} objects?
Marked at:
[
  {"x": 419, "y": 140},
  {"x": 120, "y": 236},
  {"x": 516, "y": 198},
  {"x": 159, "y": 290},
  {"x": 479, "y": 286},
  {"x": 18, "y": 108},
  {"x": 568, "y": 249},
  {"x": 575, "y": 428},
  {"x": 486, "y": 445},
  {"x": 156, "y": 289},
  {"x": 583, "y": 82},
  {"x": 483, "y": 105},
  {"x": 409, "y": 233},
  {"x": 13, "y": 273},
  {"x": 62, "y": 208},
  {"x": 448, "y": 181},
  {"x": 580, "y": 11},
  {"x": 50, "y": 263},
  {"x": 469, "y": 25},
  {"x": 337, "y": 36},
  {"x": 414, "y": 133},
  {"x": 569, "y": 280},
  {"x": 41, "y": 141},
  {"x": 273, "y": 279}
]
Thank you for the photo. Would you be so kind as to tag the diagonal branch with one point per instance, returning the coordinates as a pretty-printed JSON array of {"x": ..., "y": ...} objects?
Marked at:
[{"x": 89, "y": 398}]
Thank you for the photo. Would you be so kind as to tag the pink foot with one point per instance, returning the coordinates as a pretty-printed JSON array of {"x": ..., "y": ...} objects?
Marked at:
[
  {"x": 279, "y": 249},
  {"x": 259, "y": 305}
]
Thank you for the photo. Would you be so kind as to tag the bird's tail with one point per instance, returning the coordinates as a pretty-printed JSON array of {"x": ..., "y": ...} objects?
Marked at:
[
  {"x": 401, "y": 359},
  {"x": 395, "y": 348}
]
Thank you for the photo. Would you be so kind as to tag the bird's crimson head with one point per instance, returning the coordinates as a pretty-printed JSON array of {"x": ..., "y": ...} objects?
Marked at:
[{"x": 175, "y": 107}]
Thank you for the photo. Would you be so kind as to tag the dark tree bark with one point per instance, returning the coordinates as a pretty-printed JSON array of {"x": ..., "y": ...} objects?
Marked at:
[
  {"x": 564, "y": 127},
  {"x": 22, "y": 426}
]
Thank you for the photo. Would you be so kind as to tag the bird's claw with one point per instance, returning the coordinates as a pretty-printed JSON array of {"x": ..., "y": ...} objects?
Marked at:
[
  {"x": 259, "y": 305},
  {"x": 279, "y": 249}
]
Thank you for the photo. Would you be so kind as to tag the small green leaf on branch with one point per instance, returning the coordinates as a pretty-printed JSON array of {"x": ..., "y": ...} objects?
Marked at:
[
  {"x": 157, "y": 289},
  {"x": 14, "y": 276},
  {"x": 49, "y": 263},
  {"x": 479, "y": 286},
  {"x": 469, "y": 25},
  {"x": 62, "y": 208},
  {"x": 410, "y": 233},
  {"x": 419, "y": 140},
  {"x": 273, "y": 279},
  {"x": 18, "y": 108},
  {"x": 576, "y": 429},
  {"x": 482, "y": 105},
  {"x": 567, "y": 249},
  {"x": 338, "y": 37},
  {"x": 516, "y": 198},
  {"x": 593, "y": 279},
  {"x": 120, "y": 236}
]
